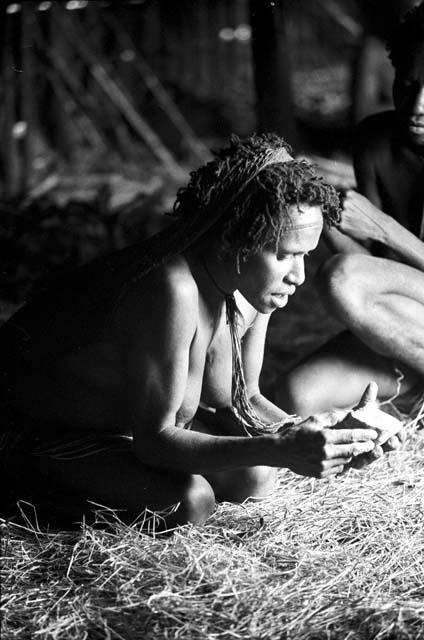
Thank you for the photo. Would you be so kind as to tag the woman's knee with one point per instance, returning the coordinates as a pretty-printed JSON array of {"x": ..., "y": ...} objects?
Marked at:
[
  {"x": 197, "y": 502},
  {"x": 249, "y": 482}
]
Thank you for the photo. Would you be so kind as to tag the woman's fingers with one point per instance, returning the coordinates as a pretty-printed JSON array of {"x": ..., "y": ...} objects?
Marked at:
[
  {"x": 340, "y": 452},
  {"x": 392, "y": 443},
  {"x": 349, "y": 450},
  {"x": 333, "y": 471},
  {"x": 336, "y": 462},
  {"x": 344, "y": 436},
  {"x": 323, "y": 469},
  {"x": 366, "y": 459}
]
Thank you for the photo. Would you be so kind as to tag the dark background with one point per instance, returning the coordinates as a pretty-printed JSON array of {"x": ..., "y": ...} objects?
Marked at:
[{"x": 105, "y": 107}]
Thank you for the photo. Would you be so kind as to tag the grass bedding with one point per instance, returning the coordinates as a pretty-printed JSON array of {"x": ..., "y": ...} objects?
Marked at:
[{"x": 319, "y": 559}]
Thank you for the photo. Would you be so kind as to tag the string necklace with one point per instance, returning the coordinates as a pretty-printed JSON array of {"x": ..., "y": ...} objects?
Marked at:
[{"x": 242, "y": 407}]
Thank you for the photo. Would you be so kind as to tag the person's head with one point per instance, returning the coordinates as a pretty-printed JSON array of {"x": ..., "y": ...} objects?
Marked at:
[
  {"x": 382, "y": 23},
  {"x": 267, "y": 277},
  {"x": 406, "y": 51},
  {"x": 270, "y": 205}
]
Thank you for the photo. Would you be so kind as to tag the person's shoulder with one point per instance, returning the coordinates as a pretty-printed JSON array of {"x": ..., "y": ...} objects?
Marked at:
[
  {"x": 375, "y": 139},
  {"x": 377, "y": 129},
  {"x": 175, "y": 277},
  {"x": 169, "y": 285},
  {"x": 162, "y": 302}
]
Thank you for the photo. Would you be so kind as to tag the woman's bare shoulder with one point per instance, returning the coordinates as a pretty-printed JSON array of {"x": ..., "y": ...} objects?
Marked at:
[
  {"x": 172, "y": 280},
  {"x": 168, "y": 292}
]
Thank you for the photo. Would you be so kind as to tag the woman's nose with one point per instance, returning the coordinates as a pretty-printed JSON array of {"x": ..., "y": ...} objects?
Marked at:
[{"x": 296, "y": 274}]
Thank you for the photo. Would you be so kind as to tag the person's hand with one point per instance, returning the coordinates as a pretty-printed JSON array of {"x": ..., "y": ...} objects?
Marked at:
[
  {"x": 361, "y": 220},
  {"x": 322, "y": 445},
  {"x": 363, "y": 460},
  {"x": 390, "y": 430}
]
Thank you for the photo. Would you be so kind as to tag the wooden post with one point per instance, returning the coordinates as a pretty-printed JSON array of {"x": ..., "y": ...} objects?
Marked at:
[
  {"x": 27, "y": 93},
  {"x": 59, "y": 134},
  {"x": 272, "y": 69},
  {"x": 10, "y": 151}
]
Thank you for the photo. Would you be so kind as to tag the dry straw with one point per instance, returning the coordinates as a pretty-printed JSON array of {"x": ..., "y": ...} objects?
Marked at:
[{"x": 338, "y": 559}]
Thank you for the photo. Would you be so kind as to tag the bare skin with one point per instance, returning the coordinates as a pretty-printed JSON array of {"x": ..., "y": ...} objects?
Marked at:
[
  {"x": 375, "y": 285},
  {"x": 166, "y": 352}
]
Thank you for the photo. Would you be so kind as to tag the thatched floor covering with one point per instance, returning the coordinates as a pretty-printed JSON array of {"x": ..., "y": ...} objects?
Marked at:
[{"x": 319, "y": 559}]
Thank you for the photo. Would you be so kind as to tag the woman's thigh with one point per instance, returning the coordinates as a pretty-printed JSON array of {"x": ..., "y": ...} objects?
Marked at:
[{"x": 114, "y": 479}]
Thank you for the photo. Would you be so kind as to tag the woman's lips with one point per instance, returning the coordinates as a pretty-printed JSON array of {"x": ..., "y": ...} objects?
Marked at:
[{"x": 280, "y": 299}]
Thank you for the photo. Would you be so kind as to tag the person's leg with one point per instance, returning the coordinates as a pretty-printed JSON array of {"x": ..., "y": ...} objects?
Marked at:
[
  {"x": 245, "y": 483},
  {"x": 235, "y": 485},
  {"x": 382, "y": 303},
  {"x": 335, "y": 376},
  {"x": 117, "y": 480}
]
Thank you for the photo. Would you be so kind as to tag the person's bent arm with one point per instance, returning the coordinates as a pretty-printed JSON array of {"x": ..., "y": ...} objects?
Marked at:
[
  {"x": 160, "y": 328},
  {"x": 408, "y": 247},
  {"x": 339, "y": 242},
  {"x": 157, "y": 354},
  {"x": 363, "y": 215},
  {"x": 362, "y": 220},
  {"x": 341, "y": 239}
]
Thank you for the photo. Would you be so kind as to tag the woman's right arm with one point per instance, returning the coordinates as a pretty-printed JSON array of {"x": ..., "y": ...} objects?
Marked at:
[
  {"x": 160, "y": 326},
  {"x": 159, "y": 334}
]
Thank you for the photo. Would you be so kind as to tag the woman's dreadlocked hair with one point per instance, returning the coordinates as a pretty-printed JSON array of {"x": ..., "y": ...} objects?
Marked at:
[{"x": 260, "y": 213}]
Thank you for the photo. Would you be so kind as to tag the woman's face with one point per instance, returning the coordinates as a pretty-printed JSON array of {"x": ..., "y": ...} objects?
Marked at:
[{"x": 267, "y": 278}]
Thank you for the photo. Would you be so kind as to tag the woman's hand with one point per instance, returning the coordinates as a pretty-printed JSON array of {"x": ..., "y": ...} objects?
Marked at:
[
  {"x": 324, "y": 444},
  {"x": 361, "y": 220},
  {"x": 314, "y": 448},
  {"x": 390, "y": 430},
  {"x": 379, "y": 450}
]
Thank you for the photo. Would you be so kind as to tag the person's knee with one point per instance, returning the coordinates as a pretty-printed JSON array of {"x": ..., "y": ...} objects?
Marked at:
[
  {"x": 197, "y": 502},
  {"x": 344, "y": 284},
  {"x": 249, "y": 482},
  {"x": 300, "y": 394}
]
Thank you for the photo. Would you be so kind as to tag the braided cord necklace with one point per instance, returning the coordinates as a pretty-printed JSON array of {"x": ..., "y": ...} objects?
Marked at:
[{"x": 241, "y": 405}]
